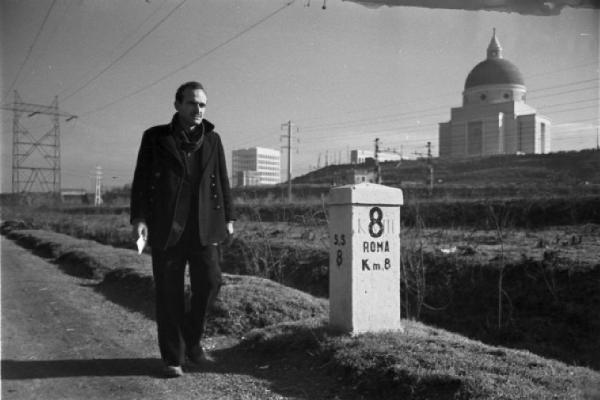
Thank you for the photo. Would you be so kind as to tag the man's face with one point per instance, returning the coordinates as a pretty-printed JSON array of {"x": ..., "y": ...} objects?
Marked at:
[{"x": 192, "y": 107}]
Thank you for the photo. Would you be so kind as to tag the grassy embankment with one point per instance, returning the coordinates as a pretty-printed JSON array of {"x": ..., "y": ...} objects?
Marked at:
[
  {"x": 246, "y": 302},
  {"x": 548, "y": 296},
  {"x": 420, "y": 363}
]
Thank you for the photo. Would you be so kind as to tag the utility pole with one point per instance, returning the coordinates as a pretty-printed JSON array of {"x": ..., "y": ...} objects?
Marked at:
[
  {"x": 27, "y": 169},
  {"x": 377, "y": 166},
  {"x": 289, "y": 126},
  {"x": 98, "y": 190},
  {"x": 401, "y": 156},
  {"x": 430, "y": 165}
]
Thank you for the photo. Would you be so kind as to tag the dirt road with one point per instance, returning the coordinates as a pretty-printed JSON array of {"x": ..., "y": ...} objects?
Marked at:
[{"x": 62, "y": 339}]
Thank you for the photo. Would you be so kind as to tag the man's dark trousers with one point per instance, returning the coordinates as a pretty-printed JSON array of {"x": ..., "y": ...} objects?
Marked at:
[{"x": 180, "y": 331}]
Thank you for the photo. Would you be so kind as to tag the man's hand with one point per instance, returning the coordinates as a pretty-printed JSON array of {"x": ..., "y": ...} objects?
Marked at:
[
  {"x": 140, "y": 229},
  {"x": 230, "y": 227}
]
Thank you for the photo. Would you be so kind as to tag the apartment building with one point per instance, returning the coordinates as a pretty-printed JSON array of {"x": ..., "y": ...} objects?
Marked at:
[{"x": 256, "y": 166}]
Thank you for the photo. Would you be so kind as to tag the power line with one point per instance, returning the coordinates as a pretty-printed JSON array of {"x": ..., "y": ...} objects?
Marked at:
[
  {"x": 126, "y": 38},
  {"x": 408, "y": 145},
  {"x": 31, "y": 47},
  {"x": 571, "y": 102},
  {"x": 385, "y": 119},
  {"x": 144, "y": 36},
  {"x": 534, "y": 76},
  {"x": 193, "y": 61},
  {"x": 566, "y": 84},
  {"x": 396, "y": 130},
  {"x": 411, "y": 128},
  {"x": 395, "y": 115},
  {"x": 375, "y": 121},
  {"x": 420, "y": 127},
  {"x": 78, "y": 175},
  {"x": 421, "y": 142},
  {"x": 564, "y": 92},
  {"x": 576, "y": 109},
  {"x": 426, "y": 126},
  {"x": 51, "y": 35},
  {"x": 448, "y": 94},
  {"x": 152, "y": 14}
]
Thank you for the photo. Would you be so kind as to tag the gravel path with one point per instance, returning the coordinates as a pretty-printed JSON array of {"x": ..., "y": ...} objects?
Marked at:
[{"x": 62, "y": 339}]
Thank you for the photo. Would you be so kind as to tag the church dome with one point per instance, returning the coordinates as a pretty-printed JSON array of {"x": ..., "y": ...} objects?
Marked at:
[{"x": 494, "y": 71}]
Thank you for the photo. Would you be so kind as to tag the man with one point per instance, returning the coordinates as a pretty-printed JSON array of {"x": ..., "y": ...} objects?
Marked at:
[{"x": 181, "y": 204}]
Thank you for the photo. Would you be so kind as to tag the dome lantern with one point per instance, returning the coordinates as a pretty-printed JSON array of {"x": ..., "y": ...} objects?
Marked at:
[{"x": 494, "y": 49}]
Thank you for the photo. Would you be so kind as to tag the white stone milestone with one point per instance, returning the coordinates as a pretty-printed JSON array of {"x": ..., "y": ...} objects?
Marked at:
[{"x": 364, "y": 258}]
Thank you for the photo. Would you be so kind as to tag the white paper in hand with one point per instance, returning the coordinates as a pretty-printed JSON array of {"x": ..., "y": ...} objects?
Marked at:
[{"x": 141, "y": 243}]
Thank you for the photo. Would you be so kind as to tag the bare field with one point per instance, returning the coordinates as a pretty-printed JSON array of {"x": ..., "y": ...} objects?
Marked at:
[
  {"x": 575, "y": 245},
  {"x": 534, "y": 289},
  {"x": 421, "y": 362}
]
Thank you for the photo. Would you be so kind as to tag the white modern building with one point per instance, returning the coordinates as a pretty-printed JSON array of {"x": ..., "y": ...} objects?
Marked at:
[
  {"x": 256, "y": 166},
  {"x": 494, "y": 118}
]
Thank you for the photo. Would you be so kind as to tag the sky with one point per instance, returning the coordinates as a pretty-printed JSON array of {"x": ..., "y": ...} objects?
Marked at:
[{"x": 343, "y": 75}]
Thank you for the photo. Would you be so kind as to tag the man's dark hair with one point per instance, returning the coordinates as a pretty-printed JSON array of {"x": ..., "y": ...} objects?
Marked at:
[{"x": 188, "y": 85}]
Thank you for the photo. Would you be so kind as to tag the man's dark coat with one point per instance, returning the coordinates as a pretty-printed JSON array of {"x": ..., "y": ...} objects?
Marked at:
[{"x": 161, "y": 194}]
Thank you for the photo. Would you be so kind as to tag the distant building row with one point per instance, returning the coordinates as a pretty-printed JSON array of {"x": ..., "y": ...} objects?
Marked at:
[
  {"x": 361, "y": 156},
  {"x": 262, "y": 166}
]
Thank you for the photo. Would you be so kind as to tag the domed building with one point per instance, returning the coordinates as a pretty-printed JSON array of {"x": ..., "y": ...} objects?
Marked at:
[{"x": 494, "y": 118}]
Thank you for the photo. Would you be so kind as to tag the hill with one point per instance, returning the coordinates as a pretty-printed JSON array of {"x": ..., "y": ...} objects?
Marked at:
[
  {"x": 503, "y": 175},
  {"x": 568, "y": 168},
  {"x": 566, "y": 174}
]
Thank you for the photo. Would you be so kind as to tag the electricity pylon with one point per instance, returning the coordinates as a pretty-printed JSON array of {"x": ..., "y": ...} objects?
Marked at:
[
  {"x": 27, "y": 170},
  {"x": 98, "y": 188}
]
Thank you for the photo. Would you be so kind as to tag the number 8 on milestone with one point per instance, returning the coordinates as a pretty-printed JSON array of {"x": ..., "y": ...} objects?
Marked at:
[{"x": 375, "y": 216}]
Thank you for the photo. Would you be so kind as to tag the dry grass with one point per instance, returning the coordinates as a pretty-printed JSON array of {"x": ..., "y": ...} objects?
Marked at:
[
  {"x": 428, "y": 363},
  {"x": 244, "y": 303},
  {"x": 421, "y": 363}
]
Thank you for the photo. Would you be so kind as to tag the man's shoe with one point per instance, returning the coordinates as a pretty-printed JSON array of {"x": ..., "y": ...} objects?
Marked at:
[
  {"x": 197, "y": 356},
  {"x": 173, "y": 371}
]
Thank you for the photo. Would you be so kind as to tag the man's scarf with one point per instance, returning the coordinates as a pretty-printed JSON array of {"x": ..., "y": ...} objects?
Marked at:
[{"x": 190, "y": 142}]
